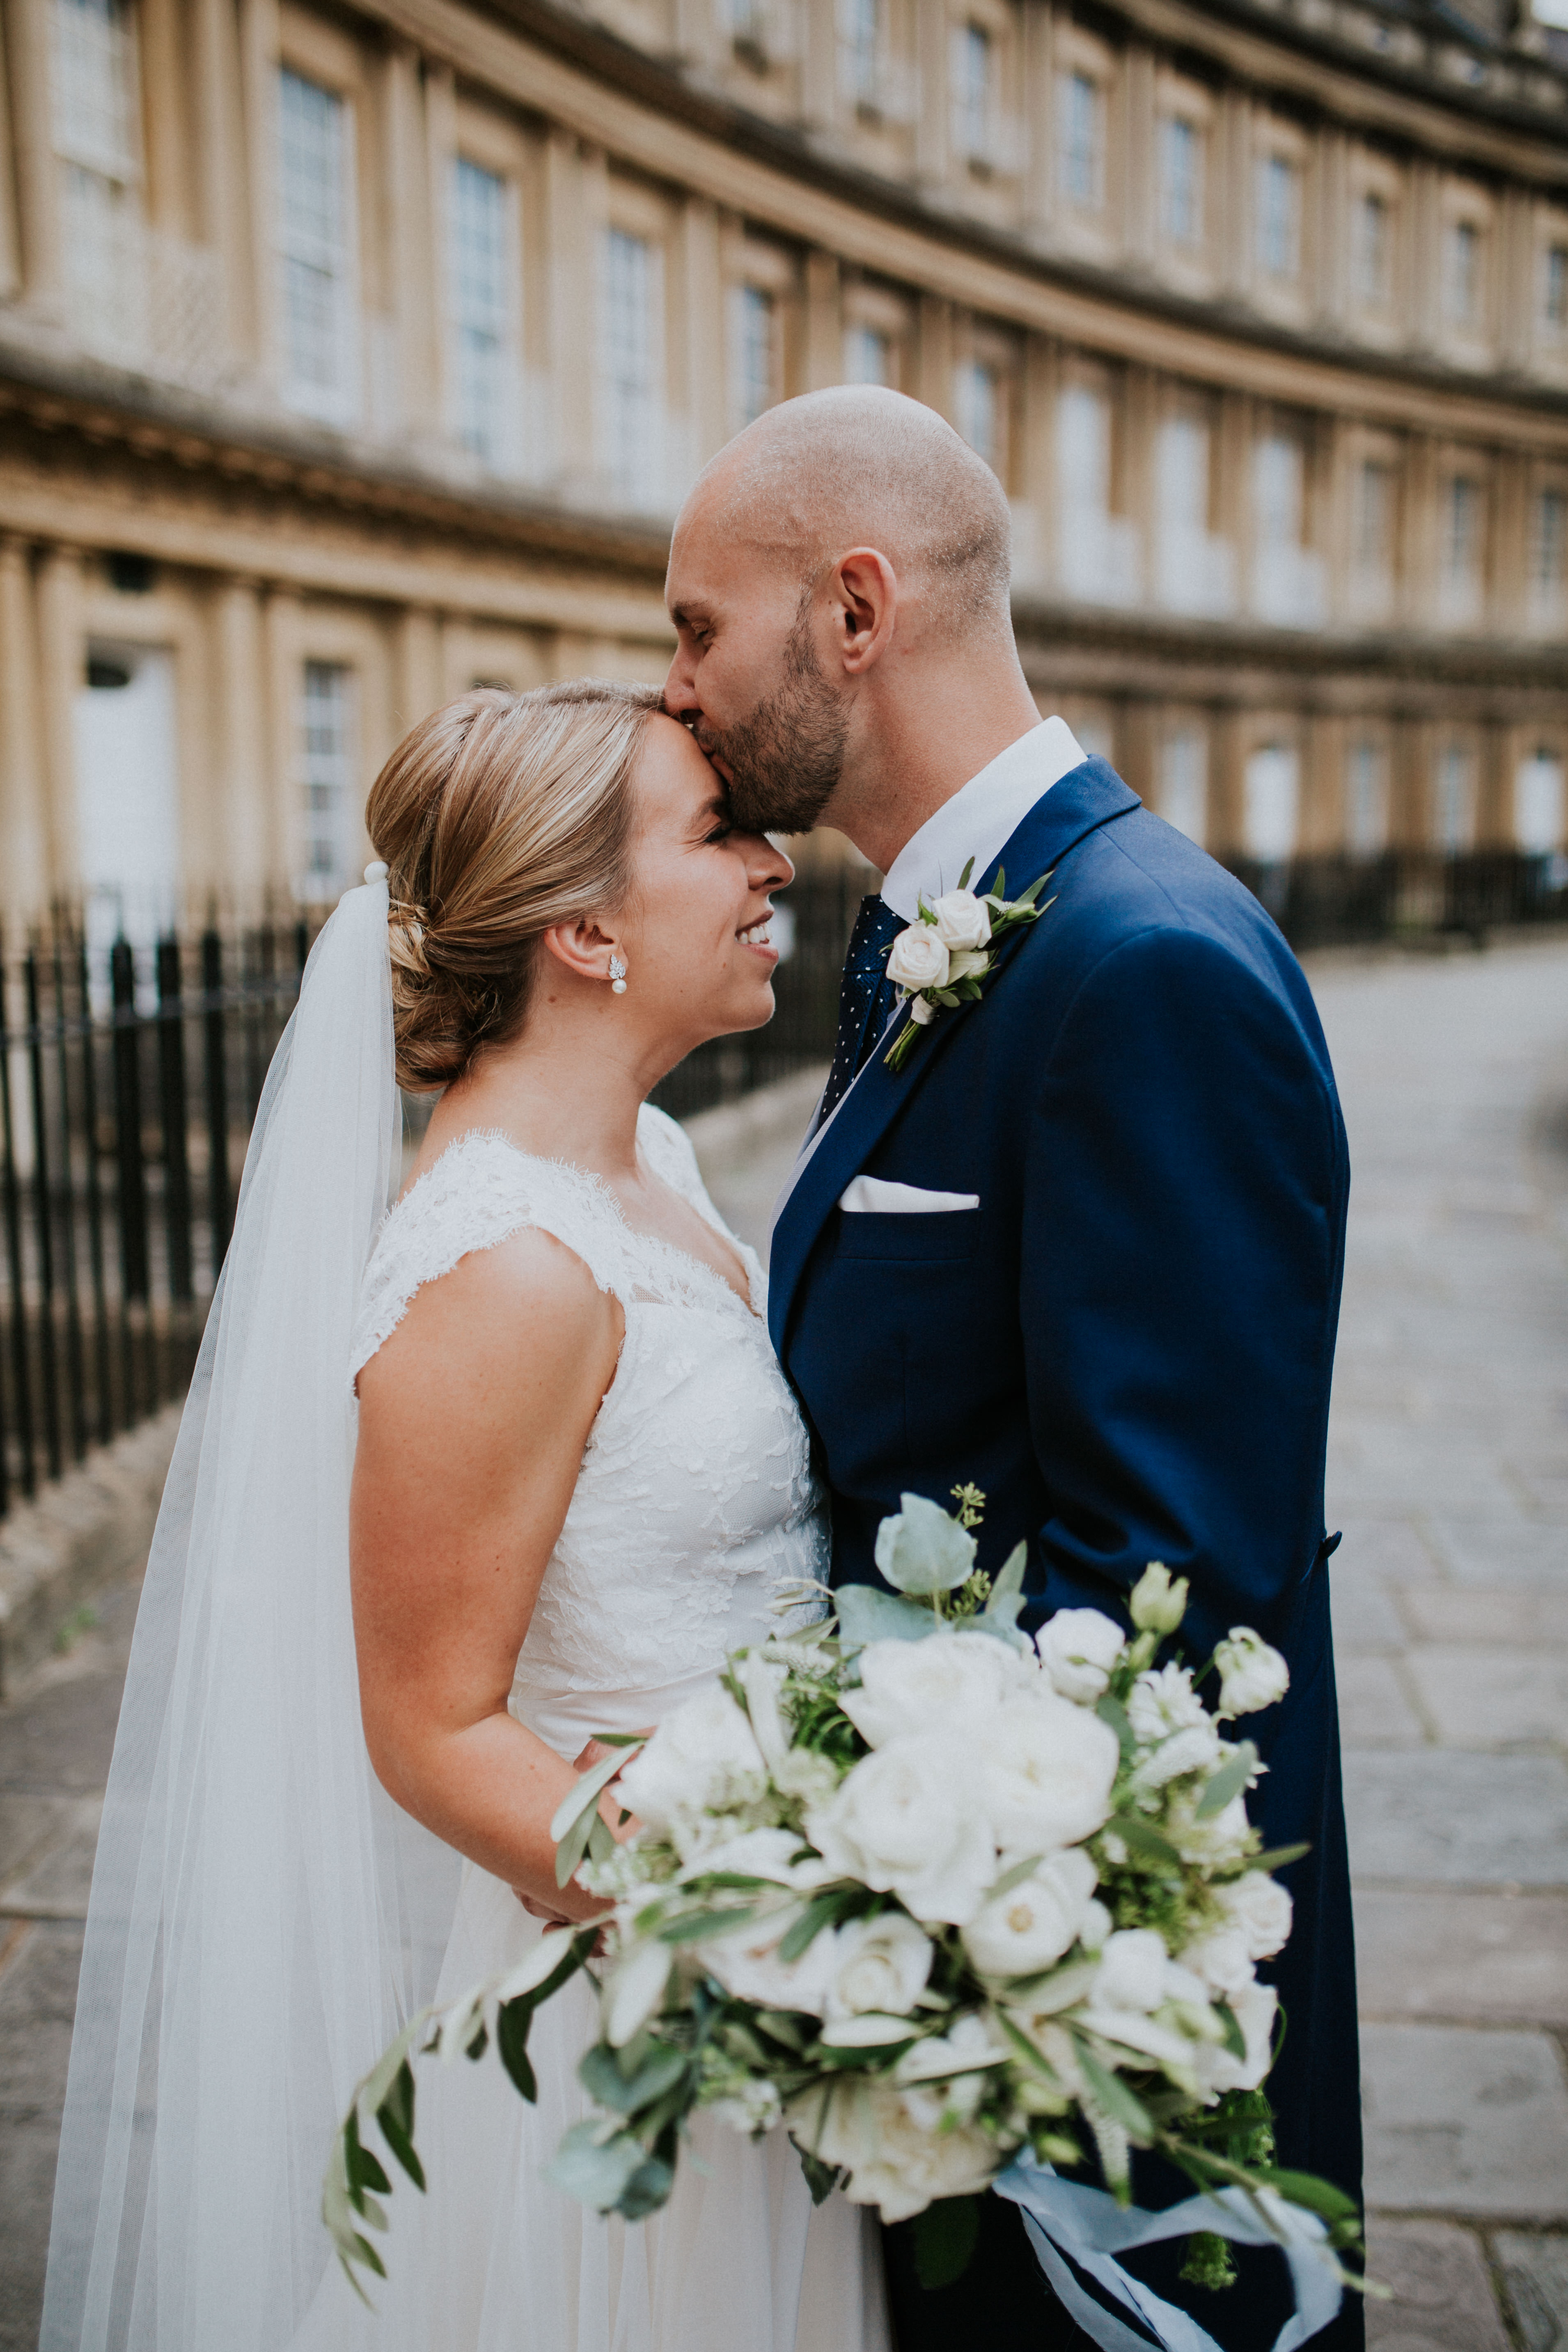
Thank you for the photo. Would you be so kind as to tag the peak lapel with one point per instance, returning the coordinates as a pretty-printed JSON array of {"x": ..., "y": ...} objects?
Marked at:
[{"x": 1078, "y": 804}]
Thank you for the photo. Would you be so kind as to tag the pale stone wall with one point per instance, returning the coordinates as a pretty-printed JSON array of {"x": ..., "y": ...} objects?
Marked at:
[{"x": 1262, "y": 318}]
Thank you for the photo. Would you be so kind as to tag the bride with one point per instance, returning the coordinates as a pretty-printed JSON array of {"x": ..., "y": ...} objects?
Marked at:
[{"x": 456, "y": 1488}]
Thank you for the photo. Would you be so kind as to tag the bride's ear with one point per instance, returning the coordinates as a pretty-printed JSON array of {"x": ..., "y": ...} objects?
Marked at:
[{"x": 581, "y": 947}]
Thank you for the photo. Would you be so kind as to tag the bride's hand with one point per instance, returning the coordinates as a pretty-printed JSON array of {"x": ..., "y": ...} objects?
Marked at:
[{"x": 594, "y": 1753}]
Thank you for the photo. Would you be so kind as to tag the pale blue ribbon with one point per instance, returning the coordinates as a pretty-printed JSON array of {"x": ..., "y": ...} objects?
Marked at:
[{"x": 1064, "y": 2217}]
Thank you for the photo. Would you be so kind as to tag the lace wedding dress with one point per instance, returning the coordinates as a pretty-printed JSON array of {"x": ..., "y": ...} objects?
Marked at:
[{"x": 695, "y": 1503}]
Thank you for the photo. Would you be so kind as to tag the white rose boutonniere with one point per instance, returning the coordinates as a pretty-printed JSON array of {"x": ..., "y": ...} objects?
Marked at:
[{"x": 944, "y": 958}]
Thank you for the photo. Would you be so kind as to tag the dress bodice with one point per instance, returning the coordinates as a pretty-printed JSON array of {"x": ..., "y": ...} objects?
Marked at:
[{"x": 696, "y": 1501}]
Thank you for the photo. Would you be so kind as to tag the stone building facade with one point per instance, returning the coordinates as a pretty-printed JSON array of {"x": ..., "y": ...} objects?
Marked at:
[{"x": 356, "y": 351}]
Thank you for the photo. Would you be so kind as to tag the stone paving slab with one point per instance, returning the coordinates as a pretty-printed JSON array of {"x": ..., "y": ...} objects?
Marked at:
[
  {"x": 1375, "y": 1707},
  {"x": 1497, "y": 1959},
  {"x": 1535, "y": 2274},
  {"x": 1501, "y": 1698},
  {"x": 1439, "y": 1813},
  {"x": 1464, "y": 2122},
  {"x": 56, "y": 1884},
  {"x": 1438, "y": 1613},
  {"x": 1443, "y": 2299}
]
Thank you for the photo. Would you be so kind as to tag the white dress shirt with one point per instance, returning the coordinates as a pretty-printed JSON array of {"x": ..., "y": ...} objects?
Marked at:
[{"x": 980, "y": 818}]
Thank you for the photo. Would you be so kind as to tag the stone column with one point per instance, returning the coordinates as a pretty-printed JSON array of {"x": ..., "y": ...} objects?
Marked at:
[
  {"x": 819, "y": 63},
  {"x": 571, "y": 226},
  {"x": 1226, "y": 795},
  {"x": 1036, "y": 555},
  {"x": 38, "y": 173},
  {"x": 165, "y": 60},
  {"x": 280, "y": 688},
  {"x": 1494, "y": 786},
  {"x": 934, "y": 356},
  {"x": 700, "y": 371},
  {"x": 222, "y": 198},
  {"x": 24, "y": 824},
  {"x": 1419, "y": 526},
  {"x": 1329, "y": 254},
  {"x": 1230, "y": 484},
  {"x": 61, "y": 659},
  {"x": 413, "y": 270},
  {"x": 824, "y": 322},
  {"x": 1037, "y": 32},
  {"x": 1140, "y": 132},
  {"x": 245, "y": 855},
  {"x": 417, "y": 675},
  {"x": 258, "y": 50},
  {"x": 10, "y": 226},
  {"x": 932, "y": 135},
  {"x": 1237, "y": 207},
  {"x": 1132, "y": 463},
  {"x": 1423, "y": 272},
  {"x": 440, "y": 149}
]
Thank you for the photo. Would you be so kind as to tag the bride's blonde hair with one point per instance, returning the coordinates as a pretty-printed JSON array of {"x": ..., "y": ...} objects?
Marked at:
[{"x": 498, "y": 817}]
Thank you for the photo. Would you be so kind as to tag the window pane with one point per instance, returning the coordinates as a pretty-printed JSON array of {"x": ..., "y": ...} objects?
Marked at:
[
  {"x": 1454, "y": 814},
  {"x": 1271, "y": 788},
  {"x": 1183, "y": 782},
  {"x": 860, "y": 42},
  {"x": 93, "y": 85},
  {"x": 327, "y": 774},
  {"x": 1079, "y": 133},
  {"x": 1371, "y": 251},
  {"x": 1277, "y": 215},
  {"x": 1181, "y": 162},
  {"x": 1548, "y": 567},
  {"x": 630, "y": 360},
  {"x": 1367, "y": 798},
  {"x": 1461, "y": 546},
  {"x": 972, "y": 90},
  {"x": 1462, "y": 287},
  {"x": 1374, "y": 517},
  {"x": 867, "y": 356},
  {"x": 753, "y": 374},
  {"x": 313, "y": 224},
  {"x": 979, "y": 408},
  {"x": 1554, "y": 287},
  {"x": 1538, "y": 804},
  {"x": 481, "y": 306}
]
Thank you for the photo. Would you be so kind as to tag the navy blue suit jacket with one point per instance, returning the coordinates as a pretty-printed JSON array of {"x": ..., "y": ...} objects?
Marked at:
[{"x": 1129, "y": 1344}]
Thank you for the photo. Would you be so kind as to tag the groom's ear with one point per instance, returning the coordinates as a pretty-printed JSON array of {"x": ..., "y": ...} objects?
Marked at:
[{"x": 864, "y": 595}]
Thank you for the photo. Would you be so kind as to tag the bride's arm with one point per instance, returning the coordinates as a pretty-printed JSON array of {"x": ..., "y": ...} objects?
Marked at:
[{"x": 473, "y": 1418}]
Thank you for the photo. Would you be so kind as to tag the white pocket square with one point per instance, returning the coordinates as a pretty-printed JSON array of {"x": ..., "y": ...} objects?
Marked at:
[{"x": 874, "y": 1195}]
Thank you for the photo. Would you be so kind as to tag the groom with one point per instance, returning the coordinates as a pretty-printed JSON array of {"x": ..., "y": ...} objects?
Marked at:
[{"x": 1096, "y": 1267}]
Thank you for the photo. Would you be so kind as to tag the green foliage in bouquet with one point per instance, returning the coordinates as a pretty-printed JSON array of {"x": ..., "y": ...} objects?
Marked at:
[{"x": 928, "y": 1893}]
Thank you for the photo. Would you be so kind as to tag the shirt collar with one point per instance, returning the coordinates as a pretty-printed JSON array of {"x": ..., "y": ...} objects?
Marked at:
[{"x": 981, "y": 817}]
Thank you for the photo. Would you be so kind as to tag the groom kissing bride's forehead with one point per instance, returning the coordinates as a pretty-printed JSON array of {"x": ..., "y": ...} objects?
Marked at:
[{"x": 1069, "y": 1223}]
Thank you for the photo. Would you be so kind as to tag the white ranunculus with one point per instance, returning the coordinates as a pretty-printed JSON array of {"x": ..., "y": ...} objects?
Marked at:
[
  {"x": 877, "y": 1965},
  {"x": 947, "y": 1682},
  {"x": 1131, "y": 1971},
  {"x": 1251, "y": 1674},
  {"x": 702, "y": 1756},
  {"x": 1162, "y": 1700},
  {"x": 1079, "y": 1648},
  {"x": 1158, "y": 1602},
  {"x": 746, "y": 1962},
  {"x": 1221, "y": 1958},
  {"x": 1022, "y": 1931},
  {"x": 1260, "y": 1908},
  {"x": 962, "y": 920},
  {"x": 893, "y": 2160},
  {"x": 918, "y": 957},
  {"x": 908, "y": 1820},
  {"x": 921, "y": 1548},
  {"x": 1048, "y": 1770},
  {"x": 1218, "y": 2068}
]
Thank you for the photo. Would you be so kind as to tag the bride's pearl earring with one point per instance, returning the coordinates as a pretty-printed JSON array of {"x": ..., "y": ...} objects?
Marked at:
[{"x": 618, "y": 976}]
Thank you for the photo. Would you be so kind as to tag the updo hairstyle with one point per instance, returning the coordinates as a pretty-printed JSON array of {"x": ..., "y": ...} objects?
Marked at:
[{"x": 498, "y": 817}]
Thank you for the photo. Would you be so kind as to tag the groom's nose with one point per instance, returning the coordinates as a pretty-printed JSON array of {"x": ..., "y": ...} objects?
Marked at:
[{"x": 680, "y": 692}]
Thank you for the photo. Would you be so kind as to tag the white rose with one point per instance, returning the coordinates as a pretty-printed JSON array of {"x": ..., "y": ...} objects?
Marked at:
[
  {"x": 703, "y": 1755},
  {"x": 1079, "y": 1648},
  {"x": 1261, "y": 1908},
  {"x": 1048, "y": 1769},
  {"x": 894, "y": 2160},
  {"x": 908, "y": 1820},
  {"x": 1218, "y": 2068},
  {"x": 918, "y": 957},
  {"x": 1131, "y": 1971},
  {"x": 746, "y": 1962},
  {"x": 1251, "y": 1674},
  {"x": 877, "y": 1965},
  {"x": 1222, "y": 1959},
  {"x": 1022, "y": 1931},
  {"x": 945, "y": 1681},
  {"x": 1163, "y": 1701},
  {"x": 962, "y": 920}
]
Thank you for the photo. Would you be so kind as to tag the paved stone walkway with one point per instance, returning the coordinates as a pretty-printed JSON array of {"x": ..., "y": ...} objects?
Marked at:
[{"x": 1449, "y": 1474}]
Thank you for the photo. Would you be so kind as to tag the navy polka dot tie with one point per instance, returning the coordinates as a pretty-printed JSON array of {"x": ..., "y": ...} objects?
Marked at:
[{"x": 865, "y": 996}]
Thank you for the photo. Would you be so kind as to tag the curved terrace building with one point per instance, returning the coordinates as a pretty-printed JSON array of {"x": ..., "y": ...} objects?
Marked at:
[{"x": 353, "y": 353}]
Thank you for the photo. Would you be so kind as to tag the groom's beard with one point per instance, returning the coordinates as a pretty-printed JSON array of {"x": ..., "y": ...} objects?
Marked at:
[{"x": 785, "y": 759}]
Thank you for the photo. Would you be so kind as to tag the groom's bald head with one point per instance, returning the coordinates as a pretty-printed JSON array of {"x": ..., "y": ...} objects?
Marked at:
[
  {"x": 846, "y": 548},
  {"x": 863, "y": 467}
]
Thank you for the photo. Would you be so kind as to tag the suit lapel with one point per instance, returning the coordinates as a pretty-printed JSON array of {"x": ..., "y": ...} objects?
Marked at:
[{"x": 1081, "y": 802}]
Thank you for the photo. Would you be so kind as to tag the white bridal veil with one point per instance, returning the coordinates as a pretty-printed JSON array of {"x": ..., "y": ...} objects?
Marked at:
[{"x": 263, "y": 1918}]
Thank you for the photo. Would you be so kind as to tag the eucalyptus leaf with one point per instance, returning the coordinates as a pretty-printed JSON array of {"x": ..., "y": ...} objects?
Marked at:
[
  {"x": 602, "y": 2077},
  {"x": 945, "y": 2236},
  {"x": 1235, "y": 2040},
  {"x": 693, "y": 1926},
  {"x": 1006, "y": 1597},
  {"x": 1278, "y": 1857},
  {"x": 1233, "y": 1777},
  {"x": 866, "y": 1613},
  {"x": 597, "y": 2170},
  {"x": 647, "y": 2190},
  {"x": 921, "y": 1548}
]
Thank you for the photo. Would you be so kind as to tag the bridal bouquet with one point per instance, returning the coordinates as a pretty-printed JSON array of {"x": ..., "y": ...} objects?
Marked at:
[{"x": 931, "y": 1896}]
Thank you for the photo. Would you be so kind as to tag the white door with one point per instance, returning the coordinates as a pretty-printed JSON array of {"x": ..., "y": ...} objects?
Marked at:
[
  {"x": 127, "y": 794},
  {"x": 1272, "y": 792}
]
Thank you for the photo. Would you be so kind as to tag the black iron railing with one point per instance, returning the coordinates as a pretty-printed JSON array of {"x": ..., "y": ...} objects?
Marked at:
[
  {"x": 130, "y": 1076},
  {"x": 129, "y": 1079}
]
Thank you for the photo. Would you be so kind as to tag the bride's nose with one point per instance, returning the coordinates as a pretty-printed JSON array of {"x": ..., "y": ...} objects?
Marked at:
[{"x": 767, "y": 867}]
